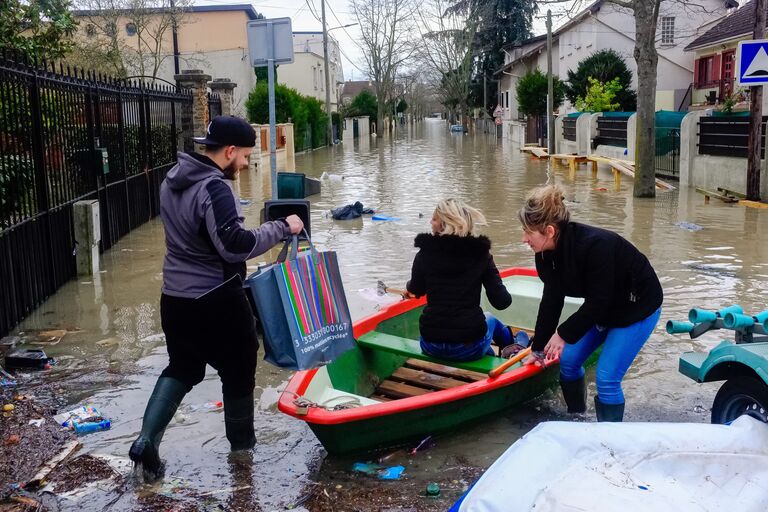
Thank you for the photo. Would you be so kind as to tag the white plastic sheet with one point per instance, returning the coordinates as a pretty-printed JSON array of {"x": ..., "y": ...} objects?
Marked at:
[{"x": 627, "y": 467}]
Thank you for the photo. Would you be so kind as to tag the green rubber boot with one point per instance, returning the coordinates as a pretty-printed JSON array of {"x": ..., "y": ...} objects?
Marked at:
[
  {"x": 161, "y": 407},
  {"x": 238, "y": 422},
  {"x": 575, "y": 395},
  {"x": 609, "y": 412}
]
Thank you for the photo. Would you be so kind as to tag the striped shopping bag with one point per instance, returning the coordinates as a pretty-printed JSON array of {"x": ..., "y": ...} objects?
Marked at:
[{"x": 302, "y": 308}]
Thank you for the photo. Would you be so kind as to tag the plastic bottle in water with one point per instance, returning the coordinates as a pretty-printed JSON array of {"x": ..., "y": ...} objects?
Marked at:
[{"x": 91, "y": 426}]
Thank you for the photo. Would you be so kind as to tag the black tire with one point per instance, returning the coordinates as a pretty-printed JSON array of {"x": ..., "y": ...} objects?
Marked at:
[{"x": 741, "y": 395}]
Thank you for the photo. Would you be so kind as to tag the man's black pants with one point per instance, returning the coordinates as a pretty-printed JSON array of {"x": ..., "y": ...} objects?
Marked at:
[{"x": 217, "y": 329}]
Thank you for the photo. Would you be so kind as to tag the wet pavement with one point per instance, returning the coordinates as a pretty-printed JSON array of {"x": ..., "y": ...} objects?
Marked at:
[{"x": 113, "y": 350}]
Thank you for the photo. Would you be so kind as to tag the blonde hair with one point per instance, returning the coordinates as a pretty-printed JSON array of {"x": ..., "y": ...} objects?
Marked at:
[
  {"x": 458, "y": 218},
  {"x": 544, "y": 206}
]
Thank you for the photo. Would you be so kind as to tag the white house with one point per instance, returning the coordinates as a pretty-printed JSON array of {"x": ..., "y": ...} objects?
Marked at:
[
  {"x": 307, "y": 73},
  {"x": 605, "y": 25}
]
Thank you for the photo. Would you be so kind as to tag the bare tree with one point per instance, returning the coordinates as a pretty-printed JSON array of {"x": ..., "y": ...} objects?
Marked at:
[
  {"x": 446, "y": 49},
  {"x": 385, "y": 27},
  {"x": 130, "y": 37}
]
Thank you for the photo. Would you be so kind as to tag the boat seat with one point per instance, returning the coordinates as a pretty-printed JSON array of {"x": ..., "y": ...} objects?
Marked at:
[{"x": 412, "y": 349}]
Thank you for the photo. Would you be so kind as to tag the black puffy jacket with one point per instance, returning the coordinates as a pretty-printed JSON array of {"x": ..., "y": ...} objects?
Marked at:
[
  {"x": 450, "y": 271},
  {"x": 617, "y": 282}
]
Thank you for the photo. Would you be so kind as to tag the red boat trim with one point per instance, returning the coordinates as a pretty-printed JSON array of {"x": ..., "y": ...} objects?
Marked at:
[{"x": 298, "y": 384}]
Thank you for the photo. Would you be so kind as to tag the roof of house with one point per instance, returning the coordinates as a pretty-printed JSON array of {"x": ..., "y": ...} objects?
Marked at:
[
  {"x": 353, "y": 88},
  {"x": 247, "y": 8},
  {"x": 738, "y": 23}
]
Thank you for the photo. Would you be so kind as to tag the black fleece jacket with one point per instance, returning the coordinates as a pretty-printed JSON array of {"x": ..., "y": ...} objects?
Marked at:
[
  {"x": 450, "y": 270},
  {"x": 617, "y": 282}
]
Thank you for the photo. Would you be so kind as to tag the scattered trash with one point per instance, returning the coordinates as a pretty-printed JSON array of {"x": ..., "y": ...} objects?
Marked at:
[
  {"x": 350, "y": 211},
  {"x": 384, "y": 218},
  {"x": 382, "y": 472},
  {"x": 12, "y": 439},
  {"x": 27, "y": 359},
  {"x": 51, "y": 337},
  {"x": 7, "y": 344},
  {"x": 8, "y": 407},
  {"x": 332, "y": 177},
  {"x": 154, "y": 338},
  {"x": 245, "y": 202},
  {"x": 107, "y": 342},
  {"x": 425, "y": 444},
  {"x": 209, "y": 406},
  {"x": 83, "y": 420},
  {"x": 689, "y": 226},
  {"x": 7, "y": 383},
  {"x": 600, "y": 189},
  {"x": 643, "y": 487},
  {"x": 373, "y": 295},
  {"x": 433, "y": 490},
  {"x": 38, "y": 423}
]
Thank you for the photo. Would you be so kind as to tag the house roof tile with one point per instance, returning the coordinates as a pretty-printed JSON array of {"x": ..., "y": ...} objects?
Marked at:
[{"x": 738, "y": 23}]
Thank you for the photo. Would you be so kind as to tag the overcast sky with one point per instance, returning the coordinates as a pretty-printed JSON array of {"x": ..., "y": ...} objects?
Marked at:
[{"x": 305, "y": 16}]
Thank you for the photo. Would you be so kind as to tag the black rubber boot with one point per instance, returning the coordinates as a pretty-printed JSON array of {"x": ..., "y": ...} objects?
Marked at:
[
  {"x": 161, "y": 407},
  {"x": 238, "y": 422},
  {"x": 609, "y": 412},
  {"x": 575, "y": 395}
]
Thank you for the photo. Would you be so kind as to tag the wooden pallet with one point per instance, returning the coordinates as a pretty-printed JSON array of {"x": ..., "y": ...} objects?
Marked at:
[
  {"x": 573, "y": 160},
  {"x": 417, "y": 377}
]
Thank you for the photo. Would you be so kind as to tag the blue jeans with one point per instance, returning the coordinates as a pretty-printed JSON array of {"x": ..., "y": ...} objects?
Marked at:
[
  {"x": 620, "y": 347},
  {"x": 470, "y": 351}
]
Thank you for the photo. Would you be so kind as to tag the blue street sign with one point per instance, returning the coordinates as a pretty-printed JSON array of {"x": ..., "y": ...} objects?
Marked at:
[{"x": 752, "y": 62}]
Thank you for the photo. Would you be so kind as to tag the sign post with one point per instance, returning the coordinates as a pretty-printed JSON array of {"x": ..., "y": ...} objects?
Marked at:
[
  {"x": 752, "y": 70},
  {"x": 270, "y": 42}
]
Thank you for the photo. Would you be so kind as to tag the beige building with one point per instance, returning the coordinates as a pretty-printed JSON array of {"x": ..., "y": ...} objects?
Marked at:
[
  {"x": 307, "y": 72},
  {"x": 211, "y": 38}
]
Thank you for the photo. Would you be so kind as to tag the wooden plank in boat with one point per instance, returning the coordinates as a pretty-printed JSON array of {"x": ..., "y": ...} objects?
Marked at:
[
  {"x": 380, "y": 398},
  {"x": 399, "y": 390},
  {"x": 448, "y": 371},
  {"x": 425, "y": 379}
]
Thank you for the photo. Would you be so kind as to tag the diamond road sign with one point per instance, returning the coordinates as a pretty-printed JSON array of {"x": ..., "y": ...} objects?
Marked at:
[{"x": 752, "y": 62}]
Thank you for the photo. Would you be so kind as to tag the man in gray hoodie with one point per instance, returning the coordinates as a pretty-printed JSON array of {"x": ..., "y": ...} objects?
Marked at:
[{"x": 205, "y": 313}]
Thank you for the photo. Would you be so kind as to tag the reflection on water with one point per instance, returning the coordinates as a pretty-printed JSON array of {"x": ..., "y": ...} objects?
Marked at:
[{"x": 117, "y": 353}]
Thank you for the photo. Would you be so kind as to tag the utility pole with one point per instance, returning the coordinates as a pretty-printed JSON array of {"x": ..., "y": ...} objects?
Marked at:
[
  {"x": 329, "y": 131},
  {"x": 174, "y": 32},
  {"x": 755, "y": 115},
  {"x": 485, "y": 105},
  {"x": 550, "y": 88}
]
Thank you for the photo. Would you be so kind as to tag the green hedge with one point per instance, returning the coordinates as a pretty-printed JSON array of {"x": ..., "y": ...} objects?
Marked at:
[{"x": 290, "y": 107}]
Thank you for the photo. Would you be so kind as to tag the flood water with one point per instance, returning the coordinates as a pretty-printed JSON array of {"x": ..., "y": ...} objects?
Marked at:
[{"x": 115, "y": 350}]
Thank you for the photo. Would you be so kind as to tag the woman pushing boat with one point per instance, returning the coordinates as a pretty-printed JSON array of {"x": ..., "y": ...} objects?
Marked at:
[
  {"x": 622, "y": 300},
  {"x": 452, "y": 265}
]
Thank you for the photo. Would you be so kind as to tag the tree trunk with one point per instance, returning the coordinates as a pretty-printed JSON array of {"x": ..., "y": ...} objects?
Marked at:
[
  {"x": 646, "y": 15},
  {"x": 380, "y": 119}
]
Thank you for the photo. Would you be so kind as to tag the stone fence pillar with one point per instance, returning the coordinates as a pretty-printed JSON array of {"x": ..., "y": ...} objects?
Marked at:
[
  {"x": 196, "y": 81},
  {"x": 225, "y": 88}
]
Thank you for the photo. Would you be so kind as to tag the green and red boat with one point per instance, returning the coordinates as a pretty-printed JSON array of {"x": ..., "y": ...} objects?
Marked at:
[{"x": 385, "y": 391}]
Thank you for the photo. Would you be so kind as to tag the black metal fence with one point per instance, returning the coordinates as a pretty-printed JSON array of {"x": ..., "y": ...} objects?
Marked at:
[
  {"x": 569, "y": 128},
  {"x": 727, "y": 136},
  {"x": 668, "y": 153},
  {"x": 214, "y": 105},
  {"x": 612, "y": 131},
  {"x": 67, "y": 136}
]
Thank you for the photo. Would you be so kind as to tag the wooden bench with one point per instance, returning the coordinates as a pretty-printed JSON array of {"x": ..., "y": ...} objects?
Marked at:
[
  {"x": 421, "y": 374},
  {"x": 724, "y": 196},
  {"x": 626, "y": 167},
  {"x": 573, "y": 160}
]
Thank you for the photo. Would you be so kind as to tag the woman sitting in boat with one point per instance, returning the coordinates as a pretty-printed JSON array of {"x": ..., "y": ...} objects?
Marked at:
[
  {"x": 452, "y": 265},
  {"x": 622, "y": 300}
]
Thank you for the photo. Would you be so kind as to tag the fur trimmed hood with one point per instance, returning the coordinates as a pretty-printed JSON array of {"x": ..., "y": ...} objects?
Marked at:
[{"x": 466, "y": 246}]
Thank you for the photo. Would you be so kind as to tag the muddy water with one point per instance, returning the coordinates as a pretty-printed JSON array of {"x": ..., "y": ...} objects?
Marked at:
[{"x": 115, "y": 349}]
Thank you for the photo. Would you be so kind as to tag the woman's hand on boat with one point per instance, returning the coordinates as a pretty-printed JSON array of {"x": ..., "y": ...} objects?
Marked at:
[
  {"x": 554, "y": 347},
  {"x": 536, "y": 358}
]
